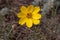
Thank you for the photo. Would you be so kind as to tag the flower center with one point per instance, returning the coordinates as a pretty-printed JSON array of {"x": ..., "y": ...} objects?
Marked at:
[{"x": 29, "y": 15}]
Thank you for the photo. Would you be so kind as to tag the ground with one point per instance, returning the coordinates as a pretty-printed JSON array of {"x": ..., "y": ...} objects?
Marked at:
[{"x": 48, "y": 29}]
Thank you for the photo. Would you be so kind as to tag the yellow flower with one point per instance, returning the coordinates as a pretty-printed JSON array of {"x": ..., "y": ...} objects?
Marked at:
[{"x": 29, "y": 15}]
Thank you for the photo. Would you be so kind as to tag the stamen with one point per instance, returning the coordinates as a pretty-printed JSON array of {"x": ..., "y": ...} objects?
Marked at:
[{"x": 29, "y": 15}]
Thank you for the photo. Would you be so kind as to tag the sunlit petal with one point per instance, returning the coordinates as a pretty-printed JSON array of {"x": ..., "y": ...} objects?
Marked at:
[
  {"x": 36, "y": 22},
  {"x": 19, "y": 15},
  {"x": 36, "y": 16},
  {"x": 29, "y": 23},
  {"x": 36, "y": 10},
  {"x": 22, "y": 21},
  {"x": 30, "y": 8},
  {"x": 24, "y": 9}
]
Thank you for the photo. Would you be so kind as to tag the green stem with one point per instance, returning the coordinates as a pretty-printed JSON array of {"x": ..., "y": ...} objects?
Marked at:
[{"x": 10, "y": 32}]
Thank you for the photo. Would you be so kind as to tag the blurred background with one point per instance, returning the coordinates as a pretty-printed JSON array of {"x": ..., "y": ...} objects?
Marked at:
[{"x": 48, "y": 29}]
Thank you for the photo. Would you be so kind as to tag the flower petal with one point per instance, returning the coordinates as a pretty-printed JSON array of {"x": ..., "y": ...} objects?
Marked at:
[
  {"x": 29, "y": 23},
  {"x": 30, "y": 8},
  {"x": 36, "y": 10},
  {"x": 36, "y": 21},
  {"x": 36, "y": 16},
  {"x": 19, "y": 15},
  {"x": 23, "y": 9},
  {"x": 22, "y": 21}
]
